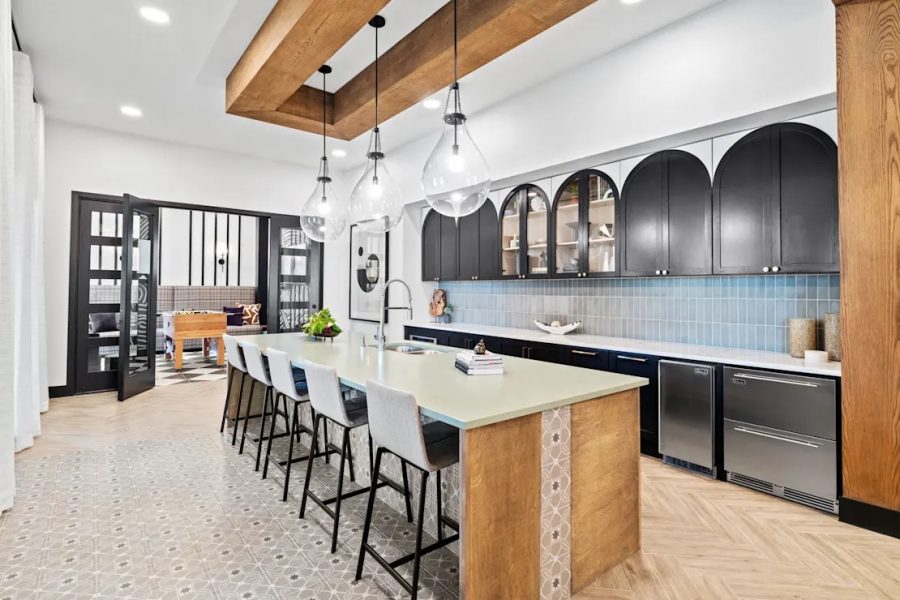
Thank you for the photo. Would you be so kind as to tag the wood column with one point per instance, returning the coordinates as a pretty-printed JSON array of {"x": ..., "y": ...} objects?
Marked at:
[{"x": 868, "y": 76}]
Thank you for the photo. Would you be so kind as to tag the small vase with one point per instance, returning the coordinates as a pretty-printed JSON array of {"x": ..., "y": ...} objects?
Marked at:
[
  {"x": 802, "y": 336},
  {"x": 833, "y": 336}
]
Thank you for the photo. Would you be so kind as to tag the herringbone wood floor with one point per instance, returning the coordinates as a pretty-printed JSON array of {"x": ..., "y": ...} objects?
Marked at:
[{"x": 701, "y": 539}]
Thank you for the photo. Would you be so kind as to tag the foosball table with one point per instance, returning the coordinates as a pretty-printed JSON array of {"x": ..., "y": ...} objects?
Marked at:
[{"x": 188, "y": 325}]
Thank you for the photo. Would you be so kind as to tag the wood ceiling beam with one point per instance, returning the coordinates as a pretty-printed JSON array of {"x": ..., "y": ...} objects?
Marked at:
[
  {"x": 296, "y": 39},
  {"x": 417, "y": 66}
]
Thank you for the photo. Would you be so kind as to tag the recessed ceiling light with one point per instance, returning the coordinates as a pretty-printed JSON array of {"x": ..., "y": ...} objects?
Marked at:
[
  {"x": 155, "y": 15},
  {"x": 131, "y": 111},
  {"x": 339, "y": 152},
  {"x": 630, "y": 1},
  {"x": 432, "y": 103}
]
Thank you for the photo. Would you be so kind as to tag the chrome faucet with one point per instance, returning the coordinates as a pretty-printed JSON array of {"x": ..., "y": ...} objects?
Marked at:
[{"x": 379, "y": 334}]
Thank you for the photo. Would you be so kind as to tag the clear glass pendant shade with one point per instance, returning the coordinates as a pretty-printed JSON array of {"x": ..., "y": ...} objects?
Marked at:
[
  {"x": 324, "y": 216},
  {"x": 456, "y": 180},
  {"x": 376, "y": 203}
]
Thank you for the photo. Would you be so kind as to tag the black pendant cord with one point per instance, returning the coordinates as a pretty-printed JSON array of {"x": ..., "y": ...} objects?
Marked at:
[
  {"x": 456, "y": 107},
  {"x": 375, "y": 154},
  {"x": 324, "y": 100},
  {"x": 323, "y": 165}
]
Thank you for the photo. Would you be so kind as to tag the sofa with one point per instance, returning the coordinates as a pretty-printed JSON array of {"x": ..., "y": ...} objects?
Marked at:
[{"x": 185, "y": 297}]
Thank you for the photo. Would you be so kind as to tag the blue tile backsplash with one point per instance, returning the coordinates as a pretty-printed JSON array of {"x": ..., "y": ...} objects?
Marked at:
[{"x": 749, "y": 312}]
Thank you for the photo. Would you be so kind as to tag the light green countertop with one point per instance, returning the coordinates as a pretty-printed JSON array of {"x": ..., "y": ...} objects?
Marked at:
[{"x": 443, "y": 392}]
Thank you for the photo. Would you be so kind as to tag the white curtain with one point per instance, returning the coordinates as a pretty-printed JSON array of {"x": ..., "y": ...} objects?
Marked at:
[
  {"x": 23, "y": 364},
  {"x": 7, "y": 418}
]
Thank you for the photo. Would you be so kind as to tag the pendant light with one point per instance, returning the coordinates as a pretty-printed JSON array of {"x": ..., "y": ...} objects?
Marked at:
[
  {"x": 376, "y": 203},
  {"x": 324, "y": 216},
  {"x": 456, "y": 180}
]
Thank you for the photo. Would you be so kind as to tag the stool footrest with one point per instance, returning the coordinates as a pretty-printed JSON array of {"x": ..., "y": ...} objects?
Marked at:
[{"x": 429, "y": 548}]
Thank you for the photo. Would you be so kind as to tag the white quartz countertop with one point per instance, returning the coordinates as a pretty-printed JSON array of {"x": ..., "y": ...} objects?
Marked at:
[
  {"x": 443, "y": 392},
  {"x": 729, "y": 356}
]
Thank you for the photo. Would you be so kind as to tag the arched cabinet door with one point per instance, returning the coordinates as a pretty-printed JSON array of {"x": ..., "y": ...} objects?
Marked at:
[
  {"x": 775, "y": 203},
  {"x": 524, "y": 233},
  {"x": 479, "y": 248},
  {"x": 584, "y": 226},
  {"x": 665, "y": 218},
  {"x": 440, "y": 256}
]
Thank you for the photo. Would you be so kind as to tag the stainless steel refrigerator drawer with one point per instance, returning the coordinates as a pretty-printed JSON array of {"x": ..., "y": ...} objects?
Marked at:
[
  {"x": 805, "y": 405},
  {"x": 798, "y": 463}
]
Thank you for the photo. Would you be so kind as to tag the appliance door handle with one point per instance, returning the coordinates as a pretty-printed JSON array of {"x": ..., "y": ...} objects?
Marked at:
[
  {"x": 774, "y": 380},
  {"x": 584, "y": 353},
  {"x": 422, "y": 338},
  {"x": 776, "y": 437},
  {"x": 631, "y": 358}
]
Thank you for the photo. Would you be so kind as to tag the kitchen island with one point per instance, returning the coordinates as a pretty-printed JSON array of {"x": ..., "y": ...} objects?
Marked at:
[{"x": 549, "y": 472}]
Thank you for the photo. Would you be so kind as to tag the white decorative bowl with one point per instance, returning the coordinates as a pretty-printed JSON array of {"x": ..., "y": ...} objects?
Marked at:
[{"x": 558, "y": 329}]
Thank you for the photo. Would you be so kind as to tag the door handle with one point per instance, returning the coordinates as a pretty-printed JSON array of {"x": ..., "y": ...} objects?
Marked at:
[
  {"x": 632, "y": 358},
  {"x": 773, "y": 380},
  {"x": 776, "y": 437},
  {"x": 584, "y": 353}
]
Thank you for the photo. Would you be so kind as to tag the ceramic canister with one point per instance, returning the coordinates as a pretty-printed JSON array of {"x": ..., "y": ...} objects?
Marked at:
[
  {"x": 802, "y": 336},
  {"x": 833, "y": 336}
]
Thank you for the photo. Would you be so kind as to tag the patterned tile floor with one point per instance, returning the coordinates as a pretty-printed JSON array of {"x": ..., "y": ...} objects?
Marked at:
[
  {"x": 194, "y": 368},
  {"x": 184, "y": 516}
]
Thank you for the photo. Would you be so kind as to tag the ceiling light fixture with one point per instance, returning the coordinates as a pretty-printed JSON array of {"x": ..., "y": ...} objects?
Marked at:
[
  {"x": 630, "y": 1},
  {"x": 376, "y": 203},
  {"x": 324, "y": 216},
  {"x": 431, "y": 103},
  {"x": 339, "y": 153},
  {"x": 131, "y": 111},
  {"x": 455, "y": 179},
  {"x": 155, "y": 15}
]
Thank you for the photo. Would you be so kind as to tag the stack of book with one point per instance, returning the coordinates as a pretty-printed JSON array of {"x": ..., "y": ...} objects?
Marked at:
[{"x": 479, "y": 364}]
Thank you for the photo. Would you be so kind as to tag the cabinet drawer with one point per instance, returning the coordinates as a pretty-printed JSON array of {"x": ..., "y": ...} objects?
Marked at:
[
  {"x": 804, "y": 405},
  {"x": 798, "y": 462}
]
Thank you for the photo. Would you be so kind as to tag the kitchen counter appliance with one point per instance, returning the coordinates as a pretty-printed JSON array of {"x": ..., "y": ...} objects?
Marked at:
[{"x": 687, "y": 415}]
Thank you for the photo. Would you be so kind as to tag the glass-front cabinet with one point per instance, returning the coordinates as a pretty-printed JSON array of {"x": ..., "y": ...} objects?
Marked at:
[
  {"x": 584, "y": 225},
  {"x": 524, "y": 233}
]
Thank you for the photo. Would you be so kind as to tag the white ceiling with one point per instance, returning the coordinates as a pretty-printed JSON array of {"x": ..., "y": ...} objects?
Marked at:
[{"x": 91, "y": 56}]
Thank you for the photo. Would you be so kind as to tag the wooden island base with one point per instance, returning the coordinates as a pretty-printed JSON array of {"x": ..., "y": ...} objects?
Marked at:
[{"x": 549, "y": 500}]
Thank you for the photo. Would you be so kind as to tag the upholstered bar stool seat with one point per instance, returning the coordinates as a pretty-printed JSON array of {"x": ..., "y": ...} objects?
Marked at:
[
  {"x": 395, "y": 425},
  {"x": 259, "y": 372},
  {"x": 236, "y": 362}
]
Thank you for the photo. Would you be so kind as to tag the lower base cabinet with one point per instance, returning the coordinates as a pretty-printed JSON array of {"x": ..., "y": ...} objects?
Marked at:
[{"x": 642, "y": 365}]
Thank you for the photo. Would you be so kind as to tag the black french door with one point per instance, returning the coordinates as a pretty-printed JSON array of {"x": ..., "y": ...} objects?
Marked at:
[
  {"x": 295, "y": 276},
  {"x": 139, "y": 277}
]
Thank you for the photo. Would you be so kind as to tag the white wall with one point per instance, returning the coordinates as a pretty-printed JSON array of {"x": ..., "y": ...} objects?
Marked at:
[
  {"x": 92, "y": 160},
  {"x": 738, "y": 58}
]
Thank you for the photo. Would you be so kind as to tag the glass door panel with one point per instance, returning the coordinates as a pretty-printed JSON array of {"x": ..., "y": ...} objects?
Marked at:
[
  {"x": 537, "y": 209},
  {"x": 568, "y": 226},
  {"x": 293, "y": 305},
  {"x": 139, "y": 273},
  {"x": 601, "y": 234},
  {"x": 510, "y": 265}
]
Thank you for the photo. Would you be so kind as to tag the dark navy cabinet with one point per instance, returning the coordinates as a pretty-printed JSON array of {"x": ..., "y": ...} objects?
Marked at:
[{"x": 643, "y": 365}]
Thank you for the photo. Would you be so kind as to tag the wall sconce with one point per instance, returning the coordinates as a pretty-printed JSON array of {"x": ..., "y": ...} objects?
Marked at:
[{"x": 221, "y": 254}]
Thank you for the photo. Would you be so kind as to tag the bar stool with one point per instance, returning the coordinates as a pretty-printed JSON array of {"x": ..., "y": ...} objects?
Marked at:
[
  {"x": 260, "y": 374},
  {"x": 290, "y": 382},
  {"x": 336, "y": 404},
  {"x": 236, "y": 362},
  {"x": 395, "y": 425}
]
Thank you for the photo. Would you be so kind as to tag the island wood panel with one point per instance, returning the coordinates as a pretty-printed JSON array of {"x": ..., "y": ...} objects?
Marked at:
[
  {"x": 299, "y": 35},
  {"x": 868, "y": 72},
  {"x": 500, "y": 509},
  {"x": 605, "y": 484}
]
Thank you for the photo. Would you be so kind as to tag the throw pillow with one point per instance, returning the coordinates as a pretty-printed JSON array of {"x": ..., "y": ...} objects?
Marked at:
[
  {"x": 103, "y": 322},
  {"x": 235, "y": 315},
  {"x": 251, "y": 313}
]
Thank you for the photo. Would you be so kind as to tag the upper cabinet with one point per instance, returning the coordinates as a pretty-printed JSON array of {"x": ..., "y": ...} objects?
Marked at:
[
  {"x": 666, "y": 217},
  {"x": 440, "y": 260},
  {"x": 585, "y": 226},
  {"x": 775, "y": 206},
  {"x": 479, "y": 244},
  {"x": 524, "y": 233}
]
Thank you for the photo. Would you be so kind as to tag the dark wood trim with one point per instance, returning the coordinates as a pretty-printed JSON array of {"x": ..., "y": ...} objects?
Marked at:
[
  {"x": 871, "y": 517},
  {"x": 387, "y": 276},
  {"x": 190, "y": 246},
  {"x": 59, "y": 391}
]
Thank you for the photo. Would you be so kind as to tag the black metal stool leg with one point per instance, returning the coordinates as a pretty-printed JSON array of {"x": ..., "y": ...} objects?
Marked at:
[
  {"x": 237, "y": 411},
  {"x": 247, "y": 415},
  {"x": 350, "y": 460},
  {"x": 369, "y": 508},
  {"x": 309, "y": 464},
  {"x": 265, "y": 472},
  {"x": 419, "y": 526},
  {"x": 262, "y": 425},
  {"x": 327, "y": 454},
  {"x": 227, "y": 400},
  {"x": 406, "y": 499},
  {"x": 440, "y": 524},
  {"x": 345, "y": 441},
  {"x": 295, "y": 434}
]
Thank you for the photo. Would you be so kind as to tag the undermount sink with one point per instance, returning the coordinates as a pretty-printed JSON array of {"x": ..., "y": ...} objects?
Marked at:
[{"x": 407, "y": 348}]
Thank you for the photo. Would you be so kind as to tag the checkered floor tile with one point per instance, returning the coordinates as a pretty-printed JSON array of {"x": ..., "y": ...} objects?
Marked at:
[{"x": 195, "y": 368}]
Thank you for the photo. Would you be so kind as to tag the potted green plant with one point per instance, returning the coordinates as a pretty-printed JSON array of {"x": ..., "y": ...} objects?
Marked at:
[{"x": 322, "y": 325}]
